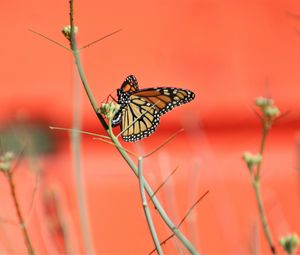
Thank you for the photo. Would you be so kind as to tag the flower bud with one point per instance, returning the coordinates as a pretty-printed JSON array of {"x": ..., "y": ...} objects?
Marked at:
[
  {"x": 290, "y": 243},
  {"x": 251, "y": 159},
  {"x": 271, "y": 111},
  {"x": 109, "y": 109},
  {"x": 6, "y": 159},
  {"x": 262, "y": 102},
  {"x": 67, "y": 31}
]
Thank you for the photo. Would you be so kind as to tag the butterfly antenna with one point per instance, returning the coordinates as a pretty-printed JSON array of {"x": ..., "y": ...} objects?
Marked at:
[
  {"x": 109, "y": 96},
  {"x": 137, "y": 119}
]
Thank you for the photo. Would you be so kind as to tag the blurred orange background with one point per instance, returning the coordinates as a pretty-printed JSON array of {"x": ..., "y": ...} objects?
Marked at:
[{"x": 227, "y": 52}]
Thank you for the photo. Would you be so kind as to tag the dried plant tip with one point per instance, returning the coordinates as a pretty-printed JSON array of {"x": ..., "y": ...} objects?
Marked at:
[
  {"x": 290, "y": 243},
  {"x": 109, "y": 110},
  {"x": 67, "y": 31},
  {"x": 5, "y": 161},
  {"x": 251, "y": 159}
]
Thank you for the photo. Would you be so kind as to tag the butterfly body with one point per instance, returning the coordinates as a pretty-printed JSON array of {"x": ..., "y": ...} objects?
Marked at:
[{"x": 140, "y": 109}]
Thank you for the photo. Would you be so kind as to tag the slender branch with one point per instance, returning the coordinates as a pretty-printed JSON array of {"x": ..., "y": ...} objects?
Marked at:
[
  {"x": 19, "y": 214},
  {"x": 191, "y": 208},
  {"x": 182, "y": 220},
  {"x": 111, "y": 143},
  {"x": 146, "y": 208},
  {"x": 155, "y": 201},
  {"x": 255, "y": 180},
  {"x": 164, "y": 182},
  {"x": 79, "y": 131},
  {"x": 49, "y": 39},
  {"x": 147, "y": 187},
  {"x": 75, "y": 138},
  {"x": 164, "y": 143},
  {"x": 100, "y": 39},
  {"x": 262, "y": 147},
  {"x": 256, "y": 186}
]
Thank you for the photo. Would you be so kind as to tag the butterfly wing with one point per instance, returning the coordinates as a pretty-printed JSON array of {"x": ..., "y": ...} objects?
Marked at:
[
  {"x": 140, "y": 110},
  {"x": 166, "y": 98},
  {"x": 139, "y": 119}
]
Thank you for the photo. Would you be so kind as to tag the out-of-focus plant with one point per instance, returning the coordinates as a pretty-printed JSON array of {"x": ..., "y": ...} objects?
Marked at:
[
  {"x": 268, "y": 112},
  {"x": 290, "y": 243},
  {"x": 6, "y": 167}
]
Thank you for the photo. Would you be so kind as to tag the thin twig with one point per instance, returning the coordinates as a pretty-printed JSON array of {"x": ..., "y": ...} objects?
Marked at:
[
  {"x": 163, "y": 183},
  {"x": 100, "y": 39},
  {"x": 111, "y": 143},
  {"x": 146, "y": 208},
  {"x": 19, "y": 214},
  {"x": 164, "y": 143},
  {"x": 182, "y": 220},
  {"x": 80, "y": 189},
  {"x": 49, "y": 39},
  {"x": 256, "y": 186},
  {"x": 33, "y": 197},
  {"x": 191, "y": 208},
  {"x": 79, "y": 131},
  {"x": 255, "y": 181}
]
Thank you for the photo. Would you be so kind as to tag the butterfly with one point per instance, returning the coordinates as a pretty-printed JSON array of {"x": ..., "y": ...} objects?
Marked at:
[{"x": 140, "y": 109}]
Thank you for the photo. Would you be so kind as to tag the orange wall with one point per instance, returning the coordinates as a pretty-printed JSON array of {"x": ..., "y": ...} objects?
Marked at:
[{"x": 227, "y": 52}]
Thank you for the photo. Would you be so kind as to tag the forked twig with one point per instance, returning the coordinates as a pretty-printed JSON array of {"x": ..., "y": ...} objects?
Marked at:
[
  {"x": 182, "y": 220},
  {"x": 146, "y": 208},
  {"x": 164, "y": 143},
  {"x": 163, "y": 183},
  {"x": 100, "y": 39}
]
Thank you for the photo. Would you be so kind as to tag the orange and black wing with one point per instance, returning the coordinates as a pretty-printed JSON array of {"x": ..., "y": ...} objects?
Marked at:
[
  {"x": 139, "y": 119},
  {"x": 130, "y": 85},
  {"x": 166, "y": 98}
]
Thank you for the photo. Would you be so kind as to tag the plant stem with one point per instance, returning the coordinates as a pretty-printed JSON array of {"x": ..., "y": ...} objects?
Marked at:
[
  {"x": 155, "y": 201},
  {"x": 255, "y": 179},
  {"x": 81, "y": 196},
  {"x": 146, "y": 208},
  {"x": 163, "y": 214},
  {"x": 19, "y": 214},
  {"x": 78, "y": 174},
  {"x": 256, "y": 186}
]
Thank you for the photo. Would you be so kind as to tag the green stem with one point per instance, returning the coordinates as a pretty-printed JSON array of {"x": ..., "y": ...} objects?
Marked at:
[
  {"x": 262, "y": 147},
  {"x": 19, "y": 214},
  {"x": 146, "y": 208},
  {"x": 256, "y": 186},
  {"x": 163, "y": 214},
  {"x": 255, "y": 179},
  {"x": 75, "y": 145},
  {"x": 155, "y": 201}
]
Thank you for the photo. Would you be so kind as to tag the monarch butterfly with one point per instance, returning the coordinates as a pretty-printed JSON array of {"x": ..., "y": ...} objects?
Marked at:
[{"x": 140, "y": 109}]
